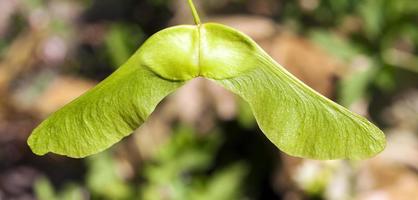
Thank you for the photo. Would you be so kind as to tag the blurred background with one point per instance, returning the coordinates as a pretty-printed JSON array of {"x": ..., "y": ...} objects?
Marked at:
[{"x": 202, "y": 142}]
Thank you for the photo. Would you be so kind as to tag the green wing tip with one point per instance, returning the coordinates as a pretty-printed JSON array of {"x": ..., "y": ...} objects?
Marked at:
[
  {"x": 380, "y": 143},
  {"x": 35, "y": 148},
  {"x": 375, "y": 147},
  {"x": 41, "y": 149},
  {"x": 369, "y": 151}
]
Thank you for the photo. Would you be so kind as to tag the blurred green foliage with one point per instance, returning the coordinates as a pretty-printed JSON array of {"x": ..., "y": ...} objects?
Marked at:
[
  {"x": 44, "y": 190},
  {"x": 386, "y": 38},
  {"x": 121, "y": 42},
  {"x": 103, "y": 181},
  {"x": 180, "y": 170}
]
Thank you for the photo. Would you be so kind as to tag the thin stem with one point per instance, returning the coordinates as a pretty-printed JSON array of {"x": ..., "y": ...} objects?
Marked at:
[{"x": 194, "y": 12}]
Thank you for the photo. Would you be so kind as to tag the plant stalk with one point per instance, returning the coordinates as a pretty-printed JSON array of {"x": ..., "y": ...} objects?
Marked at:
[{"x": 194, "y": 12}]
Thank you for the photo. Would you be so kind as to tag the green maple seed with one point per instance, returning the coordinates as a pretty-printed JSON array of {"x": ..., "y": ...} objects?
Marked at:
[{"x": 298, "y": 120}]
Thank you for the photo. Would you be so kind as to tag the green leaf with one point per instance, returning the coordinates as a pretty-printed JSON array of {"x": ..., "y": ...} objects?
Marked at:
[
  {"x": 298, "y": 120},
  {"x": 295, "y": 118},
  {"x": 122, "y": 102}
]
